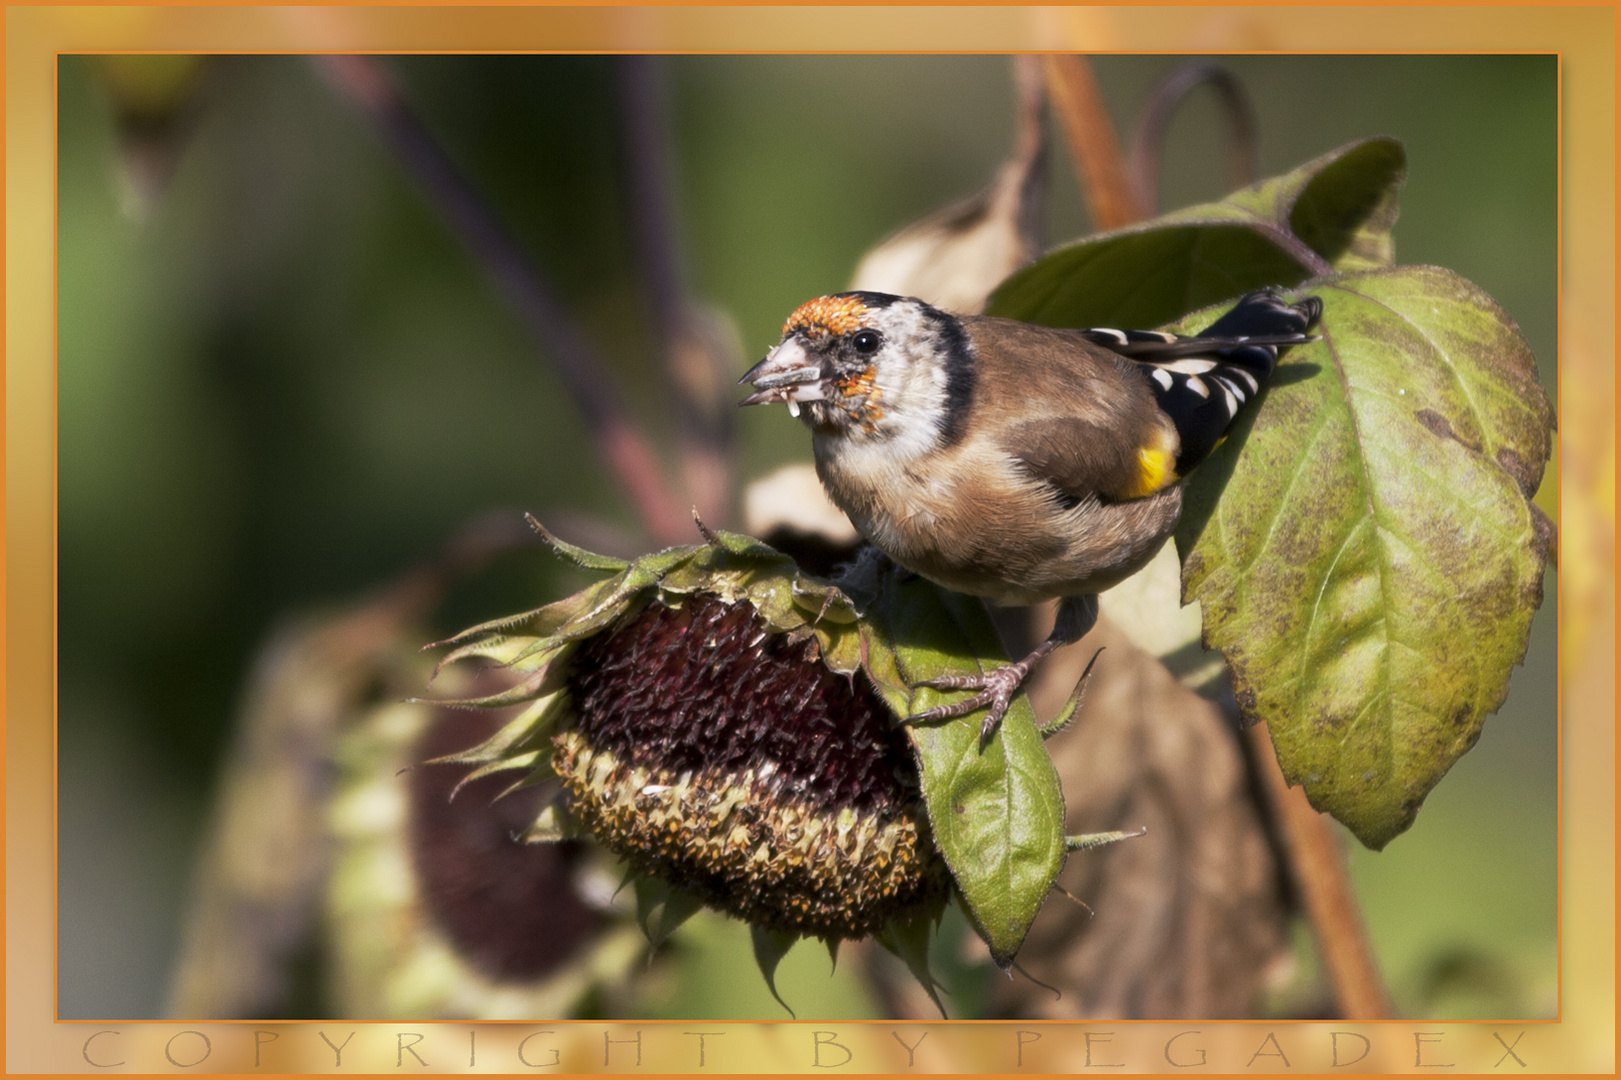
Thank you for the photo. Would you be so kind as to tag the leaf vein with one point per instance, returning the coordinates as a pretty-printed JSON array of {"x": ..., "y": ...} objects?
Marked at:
[{"x": 1369, "y": 493}]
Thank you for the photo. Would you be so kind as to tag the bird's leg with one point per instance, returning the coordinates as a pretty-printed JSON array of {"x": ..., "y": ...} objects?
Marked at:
[{"x": 1076, "y": 615}]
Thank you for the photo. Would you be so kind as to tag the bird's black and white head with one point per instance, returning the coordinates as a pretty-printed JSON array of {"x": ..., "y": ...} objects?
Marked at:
[{"x": 870, "y": 366}]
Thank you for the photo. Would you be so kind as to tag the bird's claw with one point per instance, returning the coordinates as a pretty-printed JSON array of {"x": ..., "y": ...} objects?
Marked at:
[
  {"x": 996, "y": 690},
  {"x": 955, "y": 682}
]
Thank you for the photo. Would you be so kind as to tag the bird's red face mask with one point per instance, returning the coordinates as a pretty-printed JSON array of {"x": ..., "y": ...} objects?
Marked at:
[{"x": 825, "y": 361}]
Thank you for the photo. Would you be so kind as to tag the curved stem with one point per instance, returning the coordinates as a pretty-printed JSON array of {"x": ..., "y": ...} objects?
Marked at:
[
  {"x": 1148, "y": 140},
  {"x": 1317, "y": 864},
  {"x": 697, "y": 371},
  {"x": 1028, "y": 163},
  {"x": 622, "y": 445}
]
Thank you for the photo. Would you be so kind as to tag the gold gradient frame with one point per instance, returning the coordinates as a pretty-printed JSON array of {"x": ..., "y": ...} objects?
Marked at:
[{"x": 1582, "y": 1040}]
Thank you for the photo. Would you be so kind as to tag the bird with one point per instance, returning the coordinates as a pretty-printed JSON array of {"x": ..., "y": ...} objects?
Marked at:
[{"x": 1010, "y": 461}]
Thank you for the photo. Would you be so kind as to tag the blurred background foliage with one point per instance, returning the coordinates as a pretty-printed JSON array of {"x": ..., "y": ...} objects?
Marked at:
[{"x": 282, "y": 382}]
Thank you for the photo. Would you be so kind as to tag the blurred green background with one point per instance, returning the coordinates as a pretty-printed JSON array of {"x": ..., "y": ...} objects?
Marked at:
[{"x": 282, "y": 381}]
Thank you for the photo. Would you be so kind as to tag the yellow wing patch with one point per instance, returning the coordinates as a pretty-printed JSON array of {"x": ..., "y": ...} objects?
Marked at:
[
  {"x": 1156, "y": 468},
  {"x": 827, "y": 315}
]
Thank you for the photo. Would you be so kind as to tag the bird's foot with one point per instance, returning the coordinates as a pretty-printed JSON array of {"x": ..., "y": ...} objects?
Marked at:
[{"x": 996, "y": 689}]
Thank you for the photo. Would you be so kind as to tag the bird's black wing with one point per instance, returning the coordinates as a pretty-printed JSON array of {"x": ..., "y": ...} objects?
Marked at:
[{"x": 1205, "y": 381}]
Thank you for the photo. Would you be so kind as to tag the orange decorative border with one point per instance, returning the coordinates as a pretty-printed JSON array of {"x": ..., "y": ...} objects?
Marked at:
[{"x": 1582, "y": 1040}]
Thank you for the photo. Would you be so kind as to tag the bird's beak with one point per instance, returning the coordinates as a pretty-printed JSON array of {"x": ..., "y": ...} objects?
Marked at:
[{"x": 787, "y": 374}]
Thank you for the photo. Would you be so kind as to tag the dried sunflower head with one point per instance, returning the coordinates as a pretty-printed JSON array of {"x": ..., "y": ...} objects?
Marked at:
[
  {"x": 339, "y": 880},
  {"x": 723, "y": 757},
  {"x": 431, "y": 910},
  {"x": 731, "y": 729}
]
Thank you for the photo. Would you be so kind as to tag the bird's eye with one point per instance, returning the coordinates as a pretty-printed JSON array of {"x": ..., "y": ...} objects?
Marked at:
[{"x": 866, "y": 342}]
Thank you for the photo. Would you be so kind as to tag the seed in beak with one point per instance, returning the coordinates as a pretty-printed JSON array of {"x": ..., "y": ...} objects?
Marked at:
[
  {"x": 799, "y": 376},
  {"x": 787, "y": 374}
]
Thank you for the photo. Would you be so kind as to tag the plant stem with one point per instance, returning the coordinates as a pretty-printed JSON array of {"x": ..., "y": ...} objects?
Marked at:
[
  {"x": 622, "y": 445},
  {"x": 1099, "y": 163},
  {"x": 697, "y": 374},
  {"x": 1317, "y": 863},
  {"x": 1148, "y": 141}
]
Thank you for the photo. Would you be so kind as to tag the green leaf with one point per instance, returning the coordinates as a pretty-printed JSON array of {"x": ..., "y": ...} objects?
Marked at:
[
  {"x": 533, "y": 723},
  {"x": 585, "y": 560},
  {"x": 1088, "y": 841},
  {"x": 1346, "y": 206},
  {"x": 909, "y": 940},
  {"x": 1334, "y": 212},
  {"x": 1145, "y": 275},
  {"x": 1341, "y": 205},
  {"x": 553, "y": 825},
  {"x": 1372, "y": 566},
  {"x": 527, "y": 761},
  {"x": 832, "y": 945},
  {"x": 770, "y": 946},
  {"x": 497, "y": 648},
  {"x": 997, "y": 814},
  {"x": 747, "y": 547},
  {"x": 534, "y": 682},
  {"x": 661, "y": 908},
  {"x": 542, "y": 620},
  {"x": 1066, "y": 715}
]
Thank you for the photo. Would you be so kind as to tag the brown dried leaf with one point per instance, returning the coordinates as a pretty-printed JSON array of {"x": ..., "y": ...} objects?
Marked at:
[
  {"x": 1190, "y": 917},
  {"x": 956, "y": 255}
]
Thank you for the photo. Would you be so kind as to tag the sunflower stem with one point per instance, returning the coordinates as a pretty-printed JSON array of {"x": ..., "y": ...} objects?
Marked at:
[{"x": 622, "y": 445}]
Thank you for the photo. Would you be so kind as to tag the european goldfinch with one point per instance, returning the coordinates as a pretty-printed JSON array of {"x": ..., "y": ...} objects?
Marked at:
[{"x": 1012, "y": 461}]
